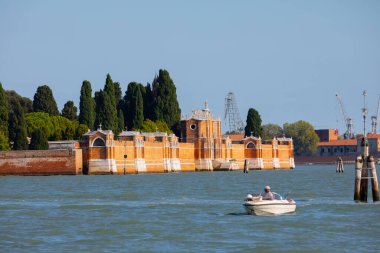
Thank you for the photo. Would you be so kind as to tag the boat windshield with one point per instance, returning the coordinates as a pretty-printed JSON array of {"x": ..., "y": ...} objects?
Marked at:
[{"x": 277, "y": 196}]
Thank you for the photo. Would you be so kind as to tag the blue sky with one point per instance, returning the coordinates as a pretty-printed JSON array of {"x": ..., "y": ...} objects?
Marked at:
[{"x": 287, "y": 59}]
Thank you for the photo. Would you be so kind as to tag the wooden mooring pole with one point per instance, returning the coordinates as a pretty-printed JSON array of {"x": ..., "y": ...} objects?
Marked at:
[
  {"x": 374, "y": 182},
  {"x": 365, "y": 169},
  {"x": 339, "y": 165},
  {"x": 358, "y": 176},
  {"x": 364, "y": 180}
]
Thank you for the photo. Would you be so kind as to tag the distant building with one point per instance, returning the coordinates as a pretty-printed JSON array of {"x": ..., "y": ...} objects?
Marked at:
[
  {"x": 235, "y": 138},
  {"x": 329, "y": 144},
  {"x": 374, "y": 144},
  {"x": 337, "y": 148},
  {"x": 326, "y": 135}
]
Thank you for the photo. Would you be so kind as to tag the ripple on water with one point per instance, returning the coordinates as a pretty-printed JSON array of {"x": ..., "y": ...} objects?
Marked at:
[{"x": 184, "y": 212}]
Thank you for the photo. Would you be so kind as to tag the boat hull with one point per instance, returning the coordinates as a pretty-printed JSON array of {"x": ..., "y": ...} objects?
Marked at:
[{"x": 270, "y": 207}]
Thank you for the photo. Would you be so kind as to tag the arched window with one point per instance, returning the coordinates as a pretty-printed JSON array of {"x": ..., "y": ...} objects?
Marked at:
[
  {"x": 251, "y": 145},
  {"x": 99, "y": 142}
]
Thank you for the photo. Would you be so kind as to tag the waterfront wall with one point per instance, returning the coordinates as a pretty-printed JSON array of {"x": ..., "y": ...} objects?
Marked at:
[
  {"x": 202, "y": 148},
  {"x": 41, "y": 162},
  {"x": 322, "y": 159}
]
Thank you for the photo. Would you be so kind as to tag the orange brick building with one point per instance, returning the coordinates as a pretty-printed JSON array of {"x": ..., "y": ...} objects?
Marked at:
[{"x": 200, "y": 147}]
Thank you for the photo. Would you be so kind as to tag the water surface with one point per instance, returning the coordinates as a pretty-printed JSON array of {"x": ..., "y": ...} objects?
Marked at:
[{"x": 185, "y": 212}]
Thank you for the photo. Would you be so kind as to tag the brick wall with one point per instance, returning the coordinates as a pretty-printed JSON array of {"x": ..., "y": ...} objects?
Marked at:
[{"x": 41, "y": 162}]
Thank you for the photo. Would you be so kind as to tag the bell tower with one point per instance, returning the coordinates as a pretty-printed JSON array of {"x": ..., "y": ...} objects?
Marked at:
[{"x": 204, "y": 131}]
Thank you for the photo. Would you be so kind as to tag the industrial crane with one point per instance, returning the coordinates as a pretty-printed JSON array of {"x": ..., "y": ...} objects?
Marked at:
[
  {"x": 349, "y": 134},
  {"x": 375, "y": 118}
]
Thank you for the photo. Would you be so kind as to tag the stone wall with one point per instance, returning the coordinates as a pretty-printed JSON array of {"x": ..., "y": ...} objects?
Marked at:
[{"x": 41, "y": 162}]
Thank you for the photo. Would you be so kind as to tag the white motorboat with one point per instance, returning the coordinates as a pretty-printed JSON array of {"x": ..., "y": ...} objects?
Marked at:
[{"x": 254, "y": 204}]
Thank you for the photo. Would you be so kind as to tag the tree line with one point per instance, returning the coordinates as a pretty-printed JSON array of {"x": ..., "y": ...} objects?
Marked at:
[
  {"x": 305, "y": 140},
  {"x": 149, "y": 108}
]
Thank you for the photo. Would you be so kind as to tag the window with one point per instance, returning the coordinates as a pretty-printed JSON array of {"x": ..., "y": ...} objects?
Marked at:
[
  {"x": 99, "y": 142},
  {"x": 193, "y": 127},
  {"x": 251, "y": 145}
]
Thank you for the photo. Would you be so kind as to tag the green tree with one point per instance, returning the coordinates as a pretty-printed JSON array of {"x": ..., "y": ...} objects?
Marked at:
[
  {"x": 118, "y": 92},
  {"x": 44, "y": 101},
  {"x": 253, "y": 123},
  {"x": 105, "y": 111},
  {"x": 271, "y": 130},
  {"x": 148, "y": 102},
  {"x": 134, "y": 104},
  {"x": 69, "y": 110},
  {"x": 25, "y": 102},
  {"x": 81, "y": 129},
  {"x": 18, "y": 126},
  {"x": 54, "y": 127},
  {"x": 4, "y": 141},
  {"x": 64, "y": 129},
  {"x": 166, "y": 106},
  {"x": 150, "y": 126},
  {"x": 305, "y": 140},
  {"x": 39, "y": 141},
  {"x": 4, "y": 111},
  {"x": 39, "y": 120},
  {"x": 138, "y": 117},
  {"x": 109, "y": 88},
  {"x": 107, "y": 115},
  {"x": 120, "y": 117},
  {"x": 86, "y": 105},
  {"x": 162, "y": 126}
]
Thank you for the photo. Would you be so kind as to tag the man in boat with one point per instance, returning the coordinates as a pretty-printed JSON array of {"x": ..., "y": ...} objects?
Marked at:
[{"x": 267, "y": 194}]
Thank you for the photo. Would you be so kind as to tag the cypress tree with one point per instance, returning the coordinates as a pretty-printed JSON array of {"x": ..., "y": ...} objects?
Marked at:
[
  {"x": 253, "y": 123},
  {"x": 17, "y": 121},
  {"x": 120, "y": 117},
  {"x": 86, "y": 105},
  {"x": 134, "y": 103},
  {"x": 166, "y": 106},
  {"x": 105, "y": 111},
  {"x": 109, "y": 88},
  {"x": 4, "y": 111},
  {"x": 120, "y": 107},
  {"x": 69, "y": 110},
  {"x": 39, "y": 141},
  {"x": 118, "y": 92},
  {"x": 148, "y": 102},
  {"x": 44, "y": 101},
  {"x": 138, "y": 117},
  {"x": 99, "y": 108},
  {"x": 110, "y": 101},
  {"x": 25, "y": 103}
]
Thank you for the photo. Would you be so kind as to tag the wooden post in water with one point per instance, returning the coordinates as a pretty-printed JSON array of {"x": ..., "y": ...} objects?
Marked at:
[
  {"x": 374, "y": 182},
  {"x": 364, "y": 181},
  {"x": 364, "y": 177},
  {"x": 366, "y": 165},
  {"x": 246, "y": 164},
  {"x": 358, "y": 176},
  {"x": 339, "y": 165}
]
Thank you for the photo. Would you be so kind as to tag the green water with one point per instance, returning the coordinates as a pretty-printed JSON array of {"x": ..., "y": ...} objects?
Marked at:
[{"x": 185, "y": 212}]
